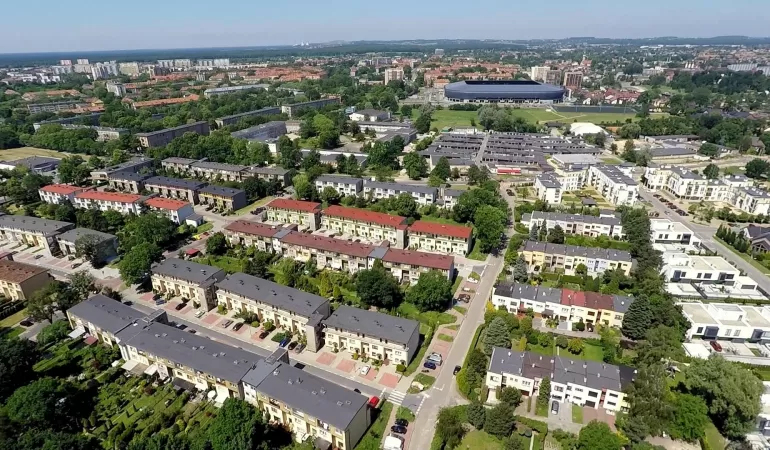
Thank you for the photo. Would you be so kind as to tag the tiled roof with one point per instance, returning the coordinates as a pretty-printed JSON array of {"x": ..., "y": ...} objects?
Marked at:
[
  {"x": 573, "y": 298},
  {"x": 63, "y": 189},
  {"x": 253, "y": 228},
  {"x": 328, "y": 244},
  {"x": 595, "y": 300},
  {"x": 430, "y": 260},
  {"x": 294, "y": 205},
  {"x": 166, "y": 203},
  {"x": 108, "y": 196},
  {"x": 366, "y": 216},
  {"x": 16, "y": 272},
  {"x": 422, "y": 226}
]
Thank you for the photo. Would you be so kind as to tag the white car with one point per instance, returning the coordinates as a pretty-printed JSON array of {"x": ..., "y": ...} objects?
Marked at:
[{"x": 364, "y": 370}]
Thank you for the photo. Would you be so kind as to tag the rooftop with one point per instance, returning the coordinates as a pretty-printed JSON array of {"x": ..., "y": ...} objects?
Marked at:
[
  {"x": 372, "y": 323},
  {"x": 286, "y": 298},
  {"x": 252, "y": 228},
  {"x": 33, "y": 224},
  {"x": 339, "y": 179},
  {"x": 175, "y": 182},
  {"x": 188, "y": 270},
  {"x": 62, "y": 189},
  {"x": 108, "y": 196},
  {"x": 166, "y": 203},
  {"x": 458, "y": 231},
  {"x": 295, "y": 205},
  {"x": 16, "y": 272},
  {"x": 106, "y": 313},
  {"x": 221, "y": 191},
  {"x": 363, "y": 215},
  {"x": 401, "y": 187},
  {"x": 420, "y": 259},
  {"x": 76, "y": 233},
  {"x": 328, "y": 244},
  {"x": 575, "y": 250}
]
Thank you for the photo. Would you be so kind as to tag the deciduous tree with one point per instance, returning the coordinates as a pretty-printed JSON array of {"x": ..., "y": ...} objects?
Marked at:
[
  {"x": 376, "y": 287},
  {"x": 433, "y": 292},
  {"x": 598, "y": 436}
]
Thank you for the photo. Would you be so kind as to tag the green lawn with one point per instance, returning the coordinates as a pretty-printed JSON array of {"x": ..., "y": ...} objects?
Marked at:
[
  {"x": 611, "y": 160},
  {"x": 457, "y": 283},
  {"x": 748, "y": 258},
  {"x": 226, "y": 263},
  {"x": 208, "y": 226},
  {"x": 476, "y": 253},
  {"x": 461, "y": 310},
  {"x": 713, "y": 438},
  {"x": 257, "y": 204},
  {"x": 373, "y": 437},
  {"x": 442, "y": 220},
  {"x": 425, "y": 380},
  {"x": 405, "y": 413},
  {"x": 592, "y": 352},
  {"x": 417, "y": 360},
  {"x": 541, "y": 409},
  {"x": 13, "y": 319},
  {"x": 446, "y": 337},
  {"x": 537, "y": 348},
  {"x": 577, "y": 414},
  {"x": 448, "y": 118},
  {"x": 430, "y": 318},
  {"x": 479, "y": 440}
]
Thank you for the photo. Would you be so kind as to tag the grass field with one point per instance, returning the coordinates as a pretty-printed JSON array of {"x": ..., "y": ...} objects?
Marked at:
[
  {"x": 23, "y": 152},
  {"x": 477, "y": 440},
  {"x": 714, "y": 439},
  {"x": 450, "y": 118},
  {"x": 577, "y": 414}
]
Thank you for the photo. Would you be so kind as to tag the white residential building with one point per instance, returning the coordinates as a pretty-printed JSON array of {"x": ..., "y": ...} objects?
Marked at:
[
  {"x": 57, "y": 193},
  {"x": 548, "y": 189},
  {"x": 614, "y": 185},
  {"x": 345, "y": 186},
  {"x": 727, "y": 321},
  {"x": 666, "y": 231},
  {"x": 604, "y": 225},
  {"x": 110, "y": 201},
  {"x": 423, "y": 195}
]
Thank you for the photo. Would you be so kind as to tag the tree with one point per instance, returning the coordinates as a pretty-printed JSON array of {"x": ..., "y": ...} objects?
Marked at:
[
  {"x": 17, "y": 357},
  {"x": 47, "y": 403},
  {"x": 497, "y": 335},
  {"x": 442, "y": 169},
  {"x": 258, "y": 264},
  {"x": 649, "y": 399},
  {"x": 513, "y": 442},
  {"x": 56, "y": 296},
  {"x": 433, "y": 292},
  {"x": 556, "y": 235},
  {"x": 312, "y": 159},
  {"x": 415, "y": 165},
  {"x": 637, "y": 320},
  {"x": 422, "y": 124},
  {"x": 598, "y": 436},
  {"x": 405, "y": 205},
  {"x": 54, "y": 332},
  {"x": 533, "y": 231},
  {"x": 376, "y": 287},
  {"x": 500, "y": 420},
  {"x": 135, "y": 265},
  {"x": 630, "y": 131},
  {"x": 711, "y": 172},
  {"x": 575, "y": 346},
  {"x": 289, "y": 156},
  {"x": 542, "y": 232},
  {"x": 661, "y": 343},
  {"x": 449, "y": 428},
  {"x": 520, "y": 274},
  {"x": 237, "y": 426},
  {"x": 490, "y": 224},
  {"x": 303, "y": 188},
  {"x": 89, "y": 246},
  {"x": 562, "y": 341},
  {"x": 581, "y": 269},
  {"x": 732, "y": 393},
  {"x": 287, "y": 272},
  {"x": 544, "y": 393},
  {"x": 147, "y": 228},
  {"x": 757, "y": 168},
  {"x": 690, "y": 418},
  {"x": 330, "y": 195},
  {"x": 510, "y": 396},
  {"x": 708, "y": 149},
  {"x": 476, "y": 175},
  {"x": 82, "y": 285},
  {"x": 216, "y": 244},
  {"x": 477, "y": 414}
]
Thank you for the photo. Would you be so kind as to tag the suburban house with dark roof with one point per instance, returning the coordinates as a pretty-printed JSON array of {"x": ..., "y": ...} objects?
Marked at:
[
  {"x": 57, "y": 193},
  {"x": 758, "y": 236},
  {"x": 584, "y": 383},
  {"x": 33, "y": 231},
  {"x": 225, "y": 198},
  {"x": 105, "y": 244},
  {"x": 175, "y": 188},
  {"x": 271, "y": 174},
  {"x": 289, "y": 308},
  {"x": 372, "y": 334},
  {"x": 127, "y": 181},
  {"x": 19, "y": 281},
  {"x": 265, "y": 238},
  {"x": 186, "y": 279},
  {"x": 439, "y": 237},
  {"x": 545, "y": 257},
  {"x": 369, "y": 225},
  {"x": 307, "y": 215}
]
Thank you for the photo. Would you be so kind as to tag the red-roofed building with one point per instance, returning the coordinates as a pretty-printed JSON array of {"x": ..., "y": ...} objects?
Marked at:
[
  {"x": 176, "y": 210},
  {"x": 109, "y": 201},
  {"x": 439, "y": 237},
  {"x": 257, "y": 234},
  {"x": 57, "y": 193},
  {"x": 328, "y": 252},
  {"x": 369, "y": 225},
  {"x": 305, "y": 214},
  {"x": 573, "y": 298},
  {"x": 407, "y": 265}
]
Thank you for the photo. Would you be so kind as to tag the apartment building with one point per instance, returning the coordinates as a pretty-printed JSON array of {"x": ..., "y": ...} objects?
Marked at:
[
  {"x": 616, "y": 187},
  {"x": 134, "y": 165},
  {"x": 544, "y": 257},
  {"x": 687, "y": 185},
  {"x": 288, "y": 308},
  {"x": 176, "y": 210},
  {"x": 103, "y": 134},
  {"x": 562, "y": 304},
  {"x": 128, "y": 181},
  {"x": 752, "y": 200},
  {"x": 33, "y": 232},
  {"x": 58, "y": 193},
  {"x": 217, "y": 171},
  {"x": 175, "y": 188},
  {"x": 442, "y": 238},
  {"x": 370, "y": 225},
  {"x": 423, "y": 195},
  {"x": 19, "y": 281},
  {"x": 262, "y": 132},
  {"x": 271, "y": 174},
  {"x": 584, "y": 383},
  {"x": 164, "y": 137},
  {"x": 727, "y": 321},
  {"x": 35, "y": 164},
  {"x": 680, "y": 267},
  {"x": 666, "y": 231},
  {"x": 310, "y": 407},
  {"x": 548, "y": 189},
  {"x": 604, "y": 225},
  {"x": 372, "y": 334},
  {"x": 106, "y": 245},
  {"x": 265, "y": 238},
  {"x": 110, "y": 201},
  {"x": 104, "y": 317},
  {"x": 224, "y": 198},
  {"x": 293, "y": 109},
  {"x": 181, "y": 166},
  {"x": 181, "y": 278},
  {"x": 212, "y": 92},
  {"x": 327, "y": 252},
  {"x": 370, "y": 115},
  {"x": 307, "y": 215},
  {"x": 450, "y": 198},
  {"x": 345, "y": 186},
  {"x": 408, "y": 265},
  {"x": 235, "y": 118}
]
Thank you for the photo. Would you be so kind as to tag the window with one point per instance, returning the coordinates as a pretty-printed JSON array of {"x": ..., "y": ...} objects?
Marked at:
[
  {"x": 593, "y": 394},
  {"x": 728, "y": 332},
  {"x": 699, "y": 330}
]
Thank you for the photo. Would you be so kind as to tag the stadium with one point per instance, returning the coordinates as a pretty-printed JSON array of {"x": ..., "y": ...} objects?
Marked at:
[{"x": 505, "y": 91}]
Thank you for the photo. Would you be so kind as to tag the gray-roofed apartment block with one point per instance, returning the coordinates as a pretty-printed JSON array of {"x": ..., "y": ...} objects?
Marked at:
[
  {"x": 423, "y": 195},
  {"x": 579, "y": 224},
  {"x": 106, "y": 245},
  {"x": 181, "y": 278},
  {"x": 261, "y": 133},
  {"x": 104, "y": 317},
  {"x": 176, "y": 188},
  {"x": 33, "y": 231},
  {"x": 222, "y": 197},
  {"x": 235, "y": 118},
  {"x": 345, "y": 186}
]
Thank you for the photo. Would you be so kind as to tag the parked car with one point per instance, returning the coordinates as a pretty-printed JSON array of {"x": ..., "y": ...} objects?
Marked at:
[
  {"x": 38, "y": 256},
  {"x": 299, "y": 348},
  {"x": 238, "y": 326},
  {"x": 179, "y": 306},
  {"x": 554, "y": 407},
  {"x": 284, "y": 342},
  {"x": 226, "y": 323},
  {"x": 357, "y": 391},
  {"x": 182, "y": 326},
  {"x": 263, "y": 334},
  {"x": 456, "y": 369},
  {"x": 436, "y": 358},
  {"x": 402, "y": 422},
  {"x": 398, "y": 429},
  {"x": 429, "y": 365},
  {"x": 26, "y": 323},
  {"x": 200, "y": 314},
  {"x": 716, "y": 346},
  {"x": 160, "y": 301},
  {"x": 190, "y": 330},
  {"x": 374, "y": 401},
  {"x": 292, "y": 345},
  {"x": 157, "y": 297},
  {"x": 364, "y": 370}
]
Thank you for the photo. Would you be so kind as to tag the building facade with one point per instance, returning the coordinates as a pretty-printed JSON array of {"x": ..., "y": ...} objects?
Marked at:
[
  {"x": 442, "y": 238},
  {"x": 186, "y": 279},
  {"x": 543, "y": 257},
  {"x": 366, "y": 224},
  {"x": 307, "y": 215},
  {"x": 19, "y": 281}
]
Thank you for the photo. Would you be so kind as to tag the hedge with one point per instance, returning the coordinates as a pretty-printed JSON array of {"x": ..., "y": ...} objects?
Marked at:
[{"x": 540, "y": 427}]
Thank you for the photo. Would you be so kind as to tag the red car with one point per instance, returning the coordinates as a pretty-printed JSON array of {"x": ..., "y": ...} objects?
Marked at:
[
  {"x": 716, "y": 346},
  {"x": 374, "y": 401}
]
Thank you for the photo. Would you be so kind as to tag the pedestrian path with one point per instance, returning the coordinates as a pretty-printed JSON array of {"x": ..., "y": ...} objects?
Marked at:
[{"x": 396, "y": 397}]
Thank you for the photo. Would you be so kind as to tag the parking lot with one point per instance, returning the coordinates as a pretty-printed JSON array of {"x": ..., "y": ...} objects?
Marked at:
[
  {"x": 671, "y": 205},
  {"x": 37, "y": 256}
]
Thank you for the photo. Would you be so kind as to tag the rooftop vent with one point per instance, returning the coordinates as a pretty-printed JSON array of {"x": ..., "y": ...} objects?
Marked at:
[
  {"x": 339, "y": 403},
  {"x": 276, "y": 372},
  {"x": 195, "y": 348},
  {"x": 323, "y": 391}
]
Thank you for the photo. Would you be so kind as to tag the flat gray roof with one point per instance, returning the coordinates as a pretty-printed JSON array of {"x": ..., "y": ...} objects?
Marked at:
[
  {"x": 620, "y": 303},
  {"x": 339, "y": 179},
  {"x": 269, "y": 170},
  {"x": 529, "y": 292},
  {"x": 171, "y": 130},
  {"x": 401, "y": 187},
  {"x": 575, "y": 250},
  {"x": 106, "y": 313},
  {"x": 33, "y": 224},
  {"x": 189, "y": 271},
  {"x": 281, "y": 296},
  {"x": 221, "y": 190},
  {"x": 217, "y": 166},
  {"x": 372, "y": 323},
  {"x": 324, "y": 400},
  {"x": 175, "y": 183},
  {"x": 76, "y": 233}
]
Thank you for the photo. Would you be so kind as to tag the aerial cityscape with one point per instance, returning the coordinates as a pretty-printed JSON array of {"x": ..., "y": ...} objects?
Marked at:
[{"x": 312, "y": 242}]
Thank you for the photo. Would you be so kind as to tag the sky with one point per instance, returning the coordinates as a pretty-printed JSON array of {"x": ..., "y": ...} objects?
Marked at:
[{"x": 54, "y": 26}]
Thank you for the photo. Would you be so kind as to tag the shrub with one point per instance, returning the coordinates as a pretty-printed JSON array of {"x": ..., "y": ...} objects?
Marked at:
[
  {"x": 278, "y": 337},
  {"x": 540, "y": 427},
  {"x": 400, "y": 368}
]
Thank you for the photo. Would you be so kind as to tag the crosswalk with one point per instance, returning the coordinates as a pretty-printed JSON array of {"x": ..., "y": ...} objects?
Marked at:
[{"x": 396, "y": 397}]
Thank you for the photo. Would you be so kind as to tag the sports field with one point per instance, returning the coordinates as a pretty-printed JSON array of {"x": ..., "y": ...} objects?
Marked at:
[
  {"x": 24, "y": 152},
  {"x": 449, "y": 118}
]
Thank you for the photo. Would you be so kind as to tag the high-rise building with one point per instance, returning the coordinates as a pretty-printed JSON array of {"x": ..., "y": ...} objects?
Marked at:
[
  {"x": 167, "y": 63},
  {"x": 62, "y": 69},
  {"x": 537, "y": 73},
  {"x": 573, "y": 80},
  {"x": 104, "y": 70},
  {"x": 553, "y": 76},
  {"x": 182, "y": 63},
  {"x": 395, "y": 74},
  {"x": 65, "y": 62},
  {"x": 83, "y": 61},
  {"x": 129, "y": 68},
  {"x": 439, "y": 52},
  {"x": 117, "y": 89}
]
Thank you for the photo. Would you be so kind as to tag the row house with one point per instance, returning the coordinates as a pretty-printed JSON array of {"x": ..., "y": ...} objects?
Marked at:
[
  {"x": 423, "y": 195},
  {"x": 134, "y": 165},
  {"x": 548, "y": 188},
  {"x": 176, "y": 210},
  {"x": 128, "y": 181},
  {"x": 266, "y": 238},
  {"x": 288, "y": 308},
  {"x": 443, "y": 238},
  {"x": 208, "y": 170},
  {"x": 752, "y": 200},
  {"x": 175, "y": 188},
  {"x": 667, "y": 231},
  {"x": 345, "y": 186},
  {"x": 604, "y": 225},
  {"x": 271, "y": 174},
  {"x": 372, "y": 334},
  {"x": 19, "y": 281},
  {"x": 187, "y": 279},
  {"x": 407, "y": 265},
  {"x": 614, "y": 185},
  {"x": 727, "y": 321},
  {"x": 163, "y": 137},
  {"x": 59, "y": 193},
  {"x": 105, "y": 245},
  {"x": 110, "y": 201},
  {"x": 327, "y": 252},
  {"x": 177, "y": 165},
  {"x": 103, "y": 318},
  {"x": 33, "y": 232},
  {"x": 307, "y": 215},
  {"x": 369, "y": 225},
  {"x": 228, "y": 199},
  {"x": 583, "y": 383},
  {"x": 450, "y": 198},
  {"x": 688, "y": 185},
  {"x": 544, "y": 257}
]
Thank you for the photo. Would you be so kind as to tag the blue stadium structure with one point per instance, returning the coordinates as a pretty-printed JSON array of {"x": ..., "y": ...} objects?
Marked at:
[{"x": 506, "y": 91}]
